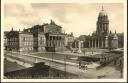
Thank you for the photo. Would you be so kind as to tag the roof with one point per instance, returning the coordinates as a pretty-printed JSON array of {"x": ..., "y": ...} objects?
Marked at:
[
  {"x": 13, "y": 34},
  {"x": 6, "y": 32},
  {"x": 102, "y": 12},
  {"x": 25, "y": 33}
]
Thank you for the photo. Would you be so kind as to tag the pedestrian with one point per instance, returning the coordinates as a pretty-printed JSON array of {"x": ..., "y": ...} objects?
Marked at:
[{"x": 85, "y": 66}]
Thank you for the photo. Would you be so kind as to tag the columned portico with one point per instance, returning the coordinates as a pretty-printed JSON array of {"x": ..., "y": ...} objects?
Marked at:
[
  {"x": 97, "y": 43},
  {"x": 54, "y": 41}
]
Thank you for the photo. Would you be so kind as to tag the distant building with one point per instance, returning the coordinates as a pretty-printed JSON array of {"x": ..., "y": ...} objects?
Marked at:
[
  {"x": 120, "y": 40},
  {"x": 39, "y": 41},
  {"x": 69, "y": 39},
  {"x": 78, "y": 43},
  {"x": 103, "y": 38},
  {"x": 25, "y": 41}
]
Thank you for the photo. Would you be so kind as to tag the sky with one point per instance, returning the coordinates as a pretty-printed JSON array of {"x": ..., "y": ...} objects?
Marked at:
[{"x": 79, "y": 18}]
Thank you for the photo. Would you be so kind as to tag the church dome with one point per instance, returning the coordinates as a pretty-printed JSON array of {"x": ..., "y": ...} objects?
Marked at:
[{"x": 102, "y": 13}]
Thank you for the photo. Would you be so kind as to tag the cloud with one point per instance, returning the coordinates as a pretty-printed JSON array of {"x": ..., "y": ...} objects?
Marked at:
[
  {"x": 56, "y": 10},
  {"x": 79, "y": 18},
  {"x": 15, "y": 9}
]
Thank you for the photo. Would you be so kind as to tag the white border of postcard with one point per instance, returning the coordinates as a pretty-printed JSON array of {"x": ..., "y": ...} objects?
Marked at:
[{"x": 66, "y": 1}]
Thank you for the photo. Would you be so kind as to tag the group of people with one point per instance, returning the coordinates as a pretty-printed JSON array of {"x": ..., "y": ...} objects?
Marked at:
[{"x": 83, "y": 66}]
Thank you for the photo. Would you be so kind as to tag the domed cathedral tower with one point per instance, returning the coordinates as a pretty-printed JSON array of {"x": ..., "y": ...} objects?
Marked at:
[
  {"x": 102, "y": 23},
  {"x": 102, "y": 38}
]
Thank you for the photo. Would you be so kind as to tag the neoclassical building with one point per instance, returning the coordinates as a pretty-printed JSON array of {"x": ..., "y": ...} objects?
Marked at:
[
  {"x": 55, "y": 39},
  {"x": 19, "y": 41},
  {"x": 46, "y": 37},
  {"x": 103, "y": 37}
]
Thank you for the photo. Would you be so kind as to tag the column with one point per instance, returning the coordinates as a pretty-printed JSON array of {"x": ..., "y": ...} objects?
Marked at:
[
  {"x": 74, "y": 44},
  {"x": 107, "y": 27},
  {"x": 102, "y": 27},
  {"x": 95, "y": 43},
  {"x": 98, "y": 44},
  {"x": 92, "y": 43},
  {"x": 62, "y": 43},
  {"x": 79, "y": 44},
  {"x": 55, "y": 41},
  {"x": 52, "y": 41},
  {"x": 48, "y": 37},
  {"x": 59, "y": 41},
  {"x": 49, "y": 44},
  {"x": 102, "y": 44},
  {"x": 89, "y": 44}
]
